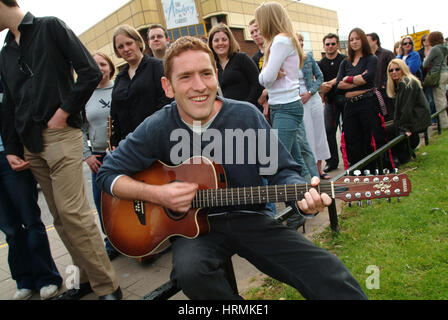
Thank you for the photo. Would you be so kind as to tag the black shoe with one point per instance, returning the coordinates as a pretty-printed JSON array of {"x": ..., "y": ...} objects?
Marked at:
[
  {"x": 116, "y": 295},
  {"x": 76, "y": 294},
  {"x": 329, "y": 168}
]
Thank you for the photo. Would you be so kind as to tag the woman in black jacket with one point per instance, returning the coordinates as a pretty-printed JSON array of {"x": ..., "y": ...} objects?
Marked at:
[
  {"x": 363, "y": 130},
  {"x": 237, "y": 72},
  {"x": 412, "y": 114},
  {"x": 138, "y": 91}
]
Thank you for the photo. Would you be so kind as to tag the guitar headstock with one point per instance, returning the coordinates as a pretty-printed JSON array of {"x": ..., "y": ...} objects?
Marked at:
[{"x": 360, "y": 188}]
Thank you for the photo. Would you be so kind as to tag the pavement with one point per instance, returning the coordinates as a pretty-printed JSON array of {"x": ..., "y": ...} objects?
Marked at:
[{"x": 136, "y": 278}]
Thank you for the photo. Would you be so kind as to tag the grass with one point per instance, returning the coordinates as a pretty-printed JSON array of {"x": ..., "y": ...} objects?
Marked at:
[{"x": 406, "y": 241}]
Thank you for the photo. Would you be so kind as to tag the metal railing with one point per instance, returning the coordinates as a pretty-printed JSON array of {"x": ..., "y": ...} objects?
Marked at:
[{"x": 332, "y": 211}]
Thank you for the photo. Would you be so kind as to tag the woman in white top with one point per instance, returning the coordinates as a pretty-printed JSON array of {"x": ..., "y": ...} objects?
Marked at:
[
  {"x": 280, "y": 76},
  {"x": 310, "y": 79},
  {"x": 95, "y": 129}
]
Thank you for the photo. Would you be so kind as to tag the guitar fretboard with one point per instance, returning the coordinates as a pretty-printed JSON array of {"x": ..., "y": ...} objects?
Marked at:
[{"x": 256, "y": 195}]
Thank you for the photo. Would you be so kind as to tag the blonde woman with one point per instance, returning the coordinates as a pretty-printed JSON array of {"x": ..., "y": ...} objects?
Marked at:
[
  {"x": 137, "y": 92},
  {"x": 412, "y": 113},
  {"x": 280, "y": 76}
]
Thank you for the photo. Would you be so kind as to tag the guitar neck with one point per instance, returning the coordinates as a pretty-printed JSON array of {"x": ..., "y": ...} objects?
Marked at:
[
  {"x": 346, "y": 189},
  {"x": 256, "y": 195}
]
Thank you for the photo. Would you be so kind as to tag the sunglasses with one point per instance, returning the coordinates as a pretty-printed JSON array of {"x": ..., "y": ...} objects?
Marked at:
[
  {"x": 396, "y": 70},
  {"x": 330, "y": 44},
  {"x": 407, "y": 43},
  {"x": 24, "y": 68}
]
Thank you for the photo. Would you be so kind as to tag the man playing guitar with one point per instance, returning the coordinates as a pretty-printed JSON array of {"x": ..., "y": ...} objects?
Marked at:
[{"x": 247, "y": 230}]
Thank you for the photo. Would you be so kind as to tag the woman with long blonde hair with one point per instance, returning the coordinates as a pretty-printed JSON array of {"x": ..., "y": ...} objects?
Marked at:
[
  {"x": 280, "y": 76},
  {"x": 412, "y": 113}
]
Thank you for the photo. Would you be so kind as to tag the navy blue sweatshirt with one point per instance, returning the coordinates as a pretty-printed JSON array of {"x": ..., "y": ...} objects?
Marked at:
[{"x": 151, "y": 142}]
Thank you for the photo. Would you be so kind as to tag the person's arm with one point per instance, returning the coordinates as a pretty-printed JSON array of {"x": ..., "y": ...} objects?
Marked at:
[
  {"x": 10, "y": 138},
  {"x": 250, "y": 71},
  {"x": 88, "y": 73},
  {"x": 340, "y": 83},
  {"x": 287, "y": 172},
  {"x": 414, "y": 62},
  {"x": 176, "y": 196},
  {"x": 405, "y": 101},
  {"x": 318, "y": 75},
  {"x": 278, "y": 53},
  {"x": 427, "y": 63}
]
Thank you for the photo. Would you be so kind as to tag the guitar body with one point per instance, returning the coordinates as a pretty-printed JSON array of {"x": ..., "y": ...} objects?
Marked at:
[{"x": 138, "y": 229}]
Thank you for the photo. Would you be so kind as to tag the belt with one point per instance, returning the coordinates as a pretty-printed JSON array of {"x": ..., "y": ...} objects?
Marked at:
[{"x": 367, "y": 94}]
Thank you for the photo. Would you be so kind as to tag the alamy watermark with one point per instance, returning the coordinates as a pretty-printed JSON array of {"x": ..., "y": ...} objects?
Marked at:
[
  {"x": 373, "y": 281},
  {"x": 253, "y": 146}
]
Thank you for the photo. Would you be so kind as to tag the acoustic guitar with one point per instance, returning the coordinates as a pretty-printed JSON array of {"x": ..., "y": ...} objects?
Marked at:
[{"x": 137, "y": 228}]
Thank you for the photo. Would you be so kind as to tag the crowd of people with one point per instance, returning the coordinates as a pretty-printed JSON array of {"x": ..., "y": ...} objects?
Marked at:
[{"x": 120, "y": 126}]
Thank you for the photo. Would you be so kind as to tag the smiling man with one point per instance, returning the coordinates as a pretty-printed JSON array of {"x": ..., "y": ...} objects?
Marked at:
[{"x": 246, "y": 230}]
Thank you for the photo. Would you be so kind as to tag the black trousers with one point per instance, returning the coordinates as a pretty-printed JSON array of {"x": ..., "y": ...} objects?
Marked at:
[
  {"x": 363, "y": 129},
  {"x": 332, "y": 113},
  {"x": 276, "y": 250}
]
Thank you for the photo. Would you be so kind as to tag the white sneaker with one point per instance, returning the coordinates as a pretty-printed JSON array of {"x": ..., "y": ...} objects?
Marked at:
[
  {"x": 22, "y": 294},
  {"x": 48, "y": 292}
]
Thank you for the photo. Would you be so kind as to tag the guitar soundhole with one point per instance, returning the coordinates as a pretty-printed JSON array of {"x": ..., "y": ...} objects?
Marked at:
[{"x": 176, "y": 216}]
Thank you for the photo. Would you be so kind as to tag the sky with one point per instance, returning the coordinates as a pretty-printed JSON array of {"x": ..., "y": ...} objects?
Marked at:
[{"x": 390, "y": 19}]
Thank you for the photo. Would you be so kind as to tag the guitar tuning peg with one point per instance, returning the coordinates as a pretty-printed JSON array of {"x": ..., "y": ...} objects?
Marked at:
[
  {"x": 398, "y": 199},
  {"x": 377, "y": 172},
  {"x": 347, "y": 173},
  {"x": 389, "y": 200},
  {"x": 396, "y": 170},
  {"x": 357, "y": 173},
  {"x": 360, "y": 204},
  {"x": 386, "y": 171},
  {"x": 350, "y": 205},
  {"x": 367, "y": 173},
  {"x": 369, "y": 202}
]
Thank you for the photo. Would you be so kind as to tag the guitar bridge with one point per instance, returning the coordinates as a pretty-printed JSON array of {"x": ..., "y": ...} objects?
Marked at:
[{"x": 139, "y": 209}]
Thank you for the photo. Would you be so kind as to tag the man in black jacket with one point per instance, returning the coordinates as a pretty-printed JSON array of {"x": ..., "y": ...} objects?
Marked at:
[
  {"x": 41, "y": 126},
  {"x": 334, "y": 101}
]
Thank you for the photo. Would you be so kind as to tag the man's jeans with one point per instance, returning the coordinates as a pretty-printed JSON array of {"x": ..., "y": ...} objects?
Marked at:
[
  {"x": 288, "y": 120},
  {"x": 29, "y": 255},
  {"x": 273, "y": 248}
]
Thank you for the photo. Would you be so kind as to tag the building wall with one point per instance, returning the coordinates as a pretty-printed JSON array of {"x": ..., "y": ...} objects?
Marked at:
[{"x": 141, "y": 13}]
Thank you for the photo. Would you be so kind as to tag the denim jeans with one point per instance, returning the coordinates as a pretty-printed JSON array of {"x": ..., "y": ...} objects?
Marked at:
[
  {"x": 288, "y": 120},
  {"x": 29, "y": 255},
  {"x": 97, "y": 199}
]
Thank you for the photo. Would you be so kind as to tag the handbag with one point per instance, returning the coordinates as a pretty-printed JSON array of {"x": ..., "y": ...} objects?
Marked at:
[{"x": 432, "y": 80}]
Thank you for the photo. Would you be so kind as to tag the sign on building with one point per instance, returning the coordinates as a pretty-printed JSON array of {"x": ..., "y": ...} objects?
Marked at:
[{"x": 179, "y": 13}]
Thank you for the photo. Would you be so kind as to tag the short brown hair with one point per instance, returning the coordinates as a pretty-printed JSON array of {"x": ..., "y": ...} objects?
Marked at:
[
  {"x": 108, "y": 60},
  {"x": 129, "y": 32},
  {"x": 182, "y": 45},
  {"x": 10, "y": 3},
  {"x": 330, "y": 36},
  {"x": 234, "y": 47},
  {"x": 157, "y": 26},
  {"x": 435, "y": 38}
]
